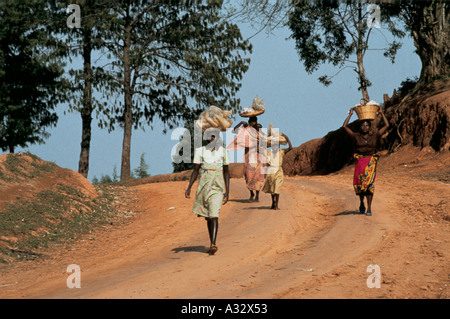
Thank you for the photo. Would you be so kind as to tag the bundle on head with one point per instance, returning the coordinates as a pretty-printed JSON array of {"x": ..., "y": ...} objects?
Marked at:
[{"x": 214, "y": 117}]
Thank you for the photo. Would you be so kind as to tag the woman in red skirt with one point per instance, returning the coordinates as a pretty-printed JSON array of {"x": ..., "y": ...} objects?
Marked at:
[{"x": 365, "y": 142}]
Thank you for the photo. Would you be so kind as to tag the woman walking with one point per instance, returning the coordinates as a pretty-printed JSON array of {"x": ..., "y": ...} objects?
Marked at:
[
  {"x": 275, "y": 176},
  {"x": 248, "y": 138},
  {"x": 213, "y": 185},
  {"x": 365, "y": 142}
]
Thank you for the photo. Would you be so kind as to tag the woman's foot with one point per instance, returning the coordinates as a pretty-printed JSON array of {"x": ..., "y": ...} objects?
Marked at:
[
  {"x": 362, "y": 209},
  {"x": 212, "y": 250},
  {"x": 368, "y": 213}
]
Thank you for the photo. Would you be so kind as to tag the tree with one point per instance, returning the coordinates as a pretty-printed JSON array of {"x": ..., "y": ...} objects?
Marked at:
[
  {"x": 169, "y": 58},
  {"x": 428, "y": 22},
  {"x": 334, "y": 32},
  {"x": 141, "y": 170},
  {"x": 115, "y": 177},
  {"x": 30, "y": 74},
  {"x": 84, "y": 41},
  {"x": 417, "y": 121},
  {"x": 95, "y": 180}
]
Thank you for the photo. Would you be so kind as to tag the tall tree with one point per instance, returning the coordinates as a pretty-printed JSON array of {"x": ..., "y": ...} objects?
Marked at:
[
  {"x": 428, "y": 22},
  {"x": 83, "y": 41},
  {"x": 30, "y": 74},
  {"x": 171, "y": 57},
  {"x": 337, "y": 33}
]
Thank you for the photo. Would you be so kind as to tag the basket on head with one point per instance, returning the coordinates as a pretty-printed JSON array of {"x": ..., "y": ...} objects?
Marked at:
[
  {"x": 257, "y": 108},
  {"x": 250, "y": 113},
  {"x": 367, "y": 111}
]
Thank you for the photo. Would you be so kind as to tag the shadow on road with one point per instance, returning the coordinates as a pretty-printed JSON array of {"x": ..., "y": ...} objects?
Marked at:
[
  {"x": 348, "y": 212},
  {"x": 187, "y": 249}
]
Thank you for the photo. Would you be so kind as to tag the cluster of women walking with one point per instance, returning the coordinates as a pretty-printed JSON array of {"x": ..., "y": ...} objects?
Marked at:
[{"x": 263, "y": 171}]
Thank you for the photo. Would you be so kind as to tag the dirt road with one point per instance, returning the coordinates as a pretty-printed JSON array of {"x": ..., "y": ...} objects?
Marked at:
[{"x": 316, "y": 246}]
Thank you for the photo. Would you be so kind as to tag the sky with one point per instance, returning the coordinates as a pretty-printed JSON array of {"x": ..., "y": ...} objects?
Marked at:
[{"x": 295, "y": 101}]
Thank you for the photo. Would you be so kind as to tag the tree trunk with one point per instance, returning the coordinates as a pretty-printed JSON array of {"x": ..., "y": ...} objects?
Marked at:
[
  {"x": 125, "y": 172},
  {"x": 360, "y": 58},
  {"x": 86, "y": 112},
  {"x": 432, "y": 40},
  {"x": 362, "y": 77}
]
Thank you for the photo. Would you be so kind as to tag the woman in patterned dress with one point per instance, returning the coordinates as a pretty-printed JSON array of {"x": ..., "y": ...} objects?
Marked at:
[
  {"x": 213, "y": 185},
  {"x": 365, "y": 142},
  {"x": 253, "y": 170}
]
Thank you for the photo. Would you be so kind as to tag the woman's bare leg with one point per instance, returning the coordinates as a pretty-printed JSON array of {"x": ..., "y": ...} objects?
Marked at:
[
  {"x": 213, "y": 227},
  {"x": 369, "y": 205},
  {"x": 277, "y": 199},
  {"x": 362, "y": 208}
]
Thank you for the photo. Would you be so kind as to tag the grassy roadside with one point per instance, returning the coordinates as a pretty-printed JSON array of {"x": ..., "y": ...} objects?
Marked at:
[
  {"x": 16, "y": 168},
  {"x": 57, "y": 214}
]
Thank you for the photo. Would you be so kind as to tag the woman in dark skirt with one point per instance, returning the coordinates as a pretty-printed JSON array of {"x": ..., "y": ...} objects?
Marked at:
[{"x": 365, "y": 142}]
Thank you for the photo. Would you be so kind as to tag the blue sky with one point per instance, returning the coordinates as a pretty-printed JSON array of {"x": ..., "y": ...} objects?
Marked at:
[{"x": 296, "y": 103}]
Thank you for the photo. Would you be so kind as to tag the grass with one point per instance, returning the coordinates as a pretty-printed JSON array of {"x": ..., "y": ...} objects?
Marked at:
[
  {"x": 16, "y": 169},
  {"x": 59, "y": 215}
]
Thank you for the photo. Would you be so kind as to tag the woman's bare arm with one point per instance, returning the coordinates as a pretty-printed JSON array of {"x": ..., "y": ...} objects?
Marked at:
[
  {"x": 226, "y": 177},
  {"x": 289, "y": 142},
  {"x": 194, "y": 175},
  {"x": 345, "y": 125}
]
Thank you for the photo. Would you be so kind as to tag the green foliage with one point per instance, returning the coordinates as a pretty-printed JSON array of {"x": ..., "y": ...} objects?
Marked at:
[
  {"x": 30, "y": 77},
  {"x": 18, "y": 170},
  {"x": 407, "y": 86},
  {"x": 337, "y": 33},
  {"x": 86, "y": 42},
  {"x": 60, "y": 214},
  {"x": 183, "y": 57},
  {"x": 141, "y": 170}
]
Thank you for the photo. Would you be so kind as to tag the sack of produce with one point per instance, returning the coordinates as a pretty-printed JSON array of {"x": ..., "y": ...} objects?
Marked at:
[
  {"x": 214, "y": 117},
  {"x": 257, "y": 108},
  {"x": 273, "y": 136}
]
